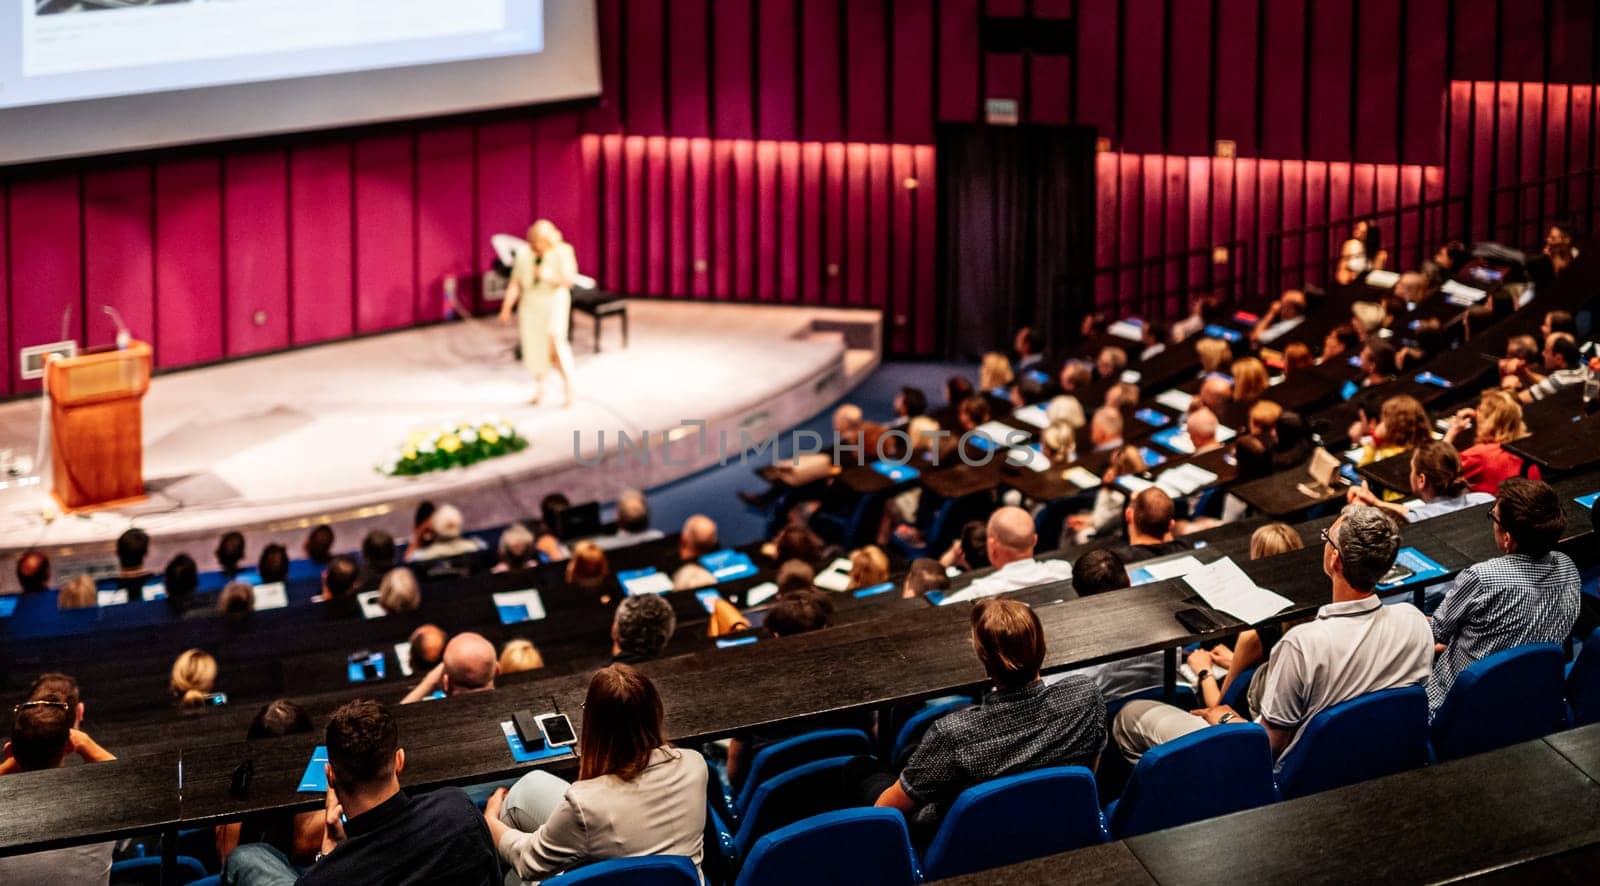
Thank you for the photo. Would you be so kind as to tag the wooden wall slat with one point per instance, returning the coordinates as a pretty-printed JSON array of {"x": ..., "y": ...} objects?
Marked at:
[{"x": 255, "y": 227}]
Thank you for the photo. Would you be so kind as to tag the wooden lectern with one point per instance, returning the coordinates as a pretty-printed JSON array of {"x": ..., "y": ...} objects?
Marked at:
[{"x": 97, "y": 426}]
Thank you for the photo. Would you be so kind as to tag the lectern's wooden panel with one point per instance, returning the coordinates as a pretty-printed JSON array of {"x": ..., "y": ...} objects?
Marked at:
[{"x": 97, "y": 424}]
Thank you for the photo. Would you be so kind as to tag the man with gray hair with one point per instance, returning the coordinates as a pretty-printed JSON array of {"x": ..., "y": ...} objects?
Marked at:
[
  {"x": 641, "y": 629},
  {"x": 1011, "y": 539},
  {"x": 515, "y": 548},
  {"x": 1354, "y": 646},
  {"x": 633, "y": 523}
]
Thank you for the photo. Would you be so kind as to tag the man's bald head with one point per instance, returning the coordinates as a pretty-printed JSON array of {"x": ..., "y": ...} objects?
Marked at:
[
  {"x": 698, "y": 538},
  {"x": 1011, "y": 536},
  {"x": 470, "y": 664},
  {"x": 1149, "y": 517},
  {"x": 427, "y": 644},
  {"x": 1202, "y": 427},
  {"x": 1215, "y": 392}
]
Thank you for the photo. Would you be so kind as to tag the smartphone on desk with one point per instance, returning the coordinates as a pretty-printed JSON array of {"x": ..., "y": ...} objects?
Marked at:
[{"x": 557, "y": 730}]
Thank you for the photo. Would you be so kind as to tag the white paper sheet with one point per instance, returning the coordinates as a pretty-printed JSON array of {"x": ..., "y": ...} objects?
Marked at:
[
  {"x": 1032, "y": 415},
  {"x": 1126, "y": 329},
  {"x": 1226, "y": 588},
  {"x": 402, "y": 657},
  {"x": 1382, "y": 279},
  {"x": 657, "y": 582},
  {"x": 529, "y": 598},
  {"x": 369, "y": 605},
  {"x": 1187, "y": 479},
  {"x": 1081, "y": 477},
  {"x": 1027, "y": 457},
  {"x": 271, "y": 595},
  {"x": 761, "y": 593},
  {"x": 1462, "y": 294},
  {"x": 1145, "y": 573},
  {"x": 836, "y": 577},
  {"x": 1175, "y": 400},
  {"x": 1001, "y": 433}
]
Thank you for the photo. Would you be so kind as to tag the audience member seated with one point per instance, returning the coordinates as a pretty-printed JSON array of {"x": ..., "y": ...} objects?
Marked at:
[
  {"x": 994, "y": 381},
  {"x": 1110, "y": 363},
  {"x": 194, "y": 679},
  {"x": 691, "y": 577},
  {"x": 1075, "y": 379},
  {"x": 339, "y": 585},
  {"x": 970, "y": 550},
  {"x": 1216, "y": 394},
  {"x": 1340, "y": 342},
  {"x": 589, "y": 571},
  {"x": 469, "y": 665},
  {"x": 635, "y": 794},
  {"x": 794, "y": 575},
  {"x": 319, "y": 544},
  {"x": 1058, "y": 442},
  {"x": 1564, "y": 365},
  {"x": 1110, "y": 500},
  {"x": 1020, "y": 725},
  {"x": 1250, "y": 381},
  {"x": 1205, "y": 310},
  {"x": 795, "y": 541},
  {"x": 697, "y": 538},
  {"x": 273, "y": 564},
  {"x": 1010, "y": 544},
  {"x": 641, "y": 629},
  {"x": 1285, "y": 313},
  {"x": 378, "y": 556},
  {"x": 1149, "y": 520},
  {"x": 1253, "y": 645},
  {"x": 1354, "y": 646},
  {"x": 1435, "y": 479},
  {"x": 236, "y": 602},
  {"x": 33, "y": 572},
  {"x": 633, "y": 522},
  {"x": 956, "y": 389},
  {"x": 515, "y": 549},
  {"x": 398, "y": 592},
  {"x": 1558, "y": 321},
  {"x": 79, "y": 592},
  {"x": 1215, "y": 355},
  {"x": 1105, "y": 429},
  {"x": 297, "y": 836},
  {"x": 908, "y": 404},
  {"x": 446, "y": 527},
  {"x": 1496, "y": 421},
  {"x": 922, "y": 576},
  {"x": 44, "y": 734},
  {"x": 1528, "y": 595},
  {"x": 374, "y": 832},
  {"x": 869, "y": 566},
  {"x": 1297, "y": 358},
  {"x": 230, "y": 552},
  {"x": 181, "y": 578},
  {"x": 1402, "y": 425},
  {"x": 520, "y": 655},
  {"x": 549, "y": 543},
  {"x": 1097, "y": 572},
  {"x": 1377, "y": 363},
  {"x": 1122, "y": 395},
  {"x": 427, "y": 645},
  {"x": 1201, "y": 426},
  {"x": 132, "y": 547},
  {"x": 1029, "y": 349}
]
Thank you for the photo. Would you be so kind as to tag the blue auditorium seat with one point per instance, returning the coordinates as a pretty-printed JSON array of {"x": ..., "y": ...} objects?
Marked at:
[
  {"x": 776, "y": 759},
  {"x": 1236, "y": 694},
  {"x": 847, "y": 846},
  {"x": 1373, "y": 735},
  {"x": 1583, "y": 683},
  {"x": 802, "y": 792},
  {"x": 1512, "y": 696},
  {"x": 645, "y": 870},
  {"x": 912, "y": 730},
  {"x": 147, "y": 870},
  {"x": 1210, "y": 772},
  {"x": 1015, "y": 818}
]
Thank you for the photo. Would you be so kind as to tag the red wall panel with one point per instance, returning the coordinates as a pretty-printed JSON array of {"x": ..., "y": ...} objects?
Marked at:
[
  {"x": 811, "y": 223},
  {"x": 789, "y": 198},
  {"x": 1571, "y": 46},
  {"x": 321, "y": 243},
  {"x": 927, "y": 236},
  {"x": 119, "y": 271},
  {"x": 1143, "y": 48},
  {"x": 656, "y": 211},
  {"x": 700, "y": 186},
  {"x": 188, "y": 262},
  {"x": 1426, "y": 80},
  {"x": 777, "y": 69},
  {"x": 768, "y": 200},
  {"x": 5, "y": 292},
  {"x": 960, "y": 64},
  {"x": 1377, "y": 100},
  {"x": 1284, "y": 61},
  {"x": 1189, "y": 92},
  {"x": 743, "y": 220},
  {"x": 732, "y": 54},
  {"x": 903, "y": 248},
  {"x": 562, "y": 192},
  {"x": 1329, "y": 102},
  {"x": 255, "y": 227},
  {"x": 45, "y": 218},
  {"x": 447, "y": 242},
  {"x": 1473, "y": 55},
  {"x": 504, "y": 186},
  {"x": 911, "y": 85},
  {"x": 680, "y": 262},
  {"x": 644, "y": 69},
  {"x": 878, "y": 250},
  {"x": 835, "y": 214},
  {"x": 385, "y": 245},
  {"x": 606, "y": 114},
  {"x": 688, "y": 91},
  {"x": 1236, "y": 58},
  {"x": 866, "y": 69}
]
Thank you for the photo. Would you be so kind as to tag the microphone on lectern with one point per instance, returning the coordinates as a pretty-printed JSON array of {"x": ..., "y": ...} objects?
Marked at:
[{"x": 123, "y": 337}]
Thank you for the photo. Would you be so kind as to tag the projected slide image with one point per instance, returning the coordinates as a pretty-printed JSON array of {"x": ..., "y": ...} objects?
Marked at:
[{"x": 57, "y": 7}]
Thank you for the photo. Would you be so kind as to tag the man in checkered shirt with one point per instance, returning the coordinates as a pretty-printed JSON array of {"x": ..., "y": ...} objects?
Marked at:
[{"x": 1530, "y": 595}]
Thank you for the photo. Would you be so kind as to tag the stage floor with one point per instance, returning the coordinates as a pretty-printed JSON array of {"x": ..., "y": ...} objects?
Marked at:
[{"x": 275, "y": 443}]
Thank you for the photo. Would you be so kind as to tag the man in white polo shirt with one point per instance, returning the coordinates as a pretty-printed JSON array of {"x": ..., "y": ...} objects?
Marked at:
[
  {"x": 1011, "y": 541},
  {"x": 1354, "y": 646}
]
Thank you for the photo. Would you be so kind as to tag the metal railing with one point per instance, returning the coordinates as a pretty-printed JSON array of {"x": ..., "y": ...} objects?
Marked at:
[
  {"x": 1411, "y": 234},
  {"x": 1161, "y": 287},
  {"x": 1518, "y": 214}
]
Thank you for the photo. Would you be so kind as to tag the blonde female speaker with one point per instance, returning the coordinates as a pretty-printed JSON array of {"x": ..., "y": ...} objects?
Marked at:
[{"x": 540, "y": 294}]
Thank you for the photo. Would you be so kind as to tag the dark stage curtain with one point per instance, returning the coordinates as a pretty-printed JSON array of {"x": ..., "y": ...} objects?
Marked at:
[{"x": 1016, "y": 222}]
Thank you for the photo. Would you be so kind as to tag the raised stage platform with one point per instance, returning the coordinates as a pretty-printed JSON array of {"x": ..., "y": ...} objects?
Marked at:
[{"x": 272, "y": 445}]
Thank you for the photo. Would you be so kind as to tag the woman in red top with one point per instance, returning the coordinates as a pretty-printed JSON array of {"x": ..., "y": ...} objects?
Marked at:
[{"x": 1486, "y": 462}]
